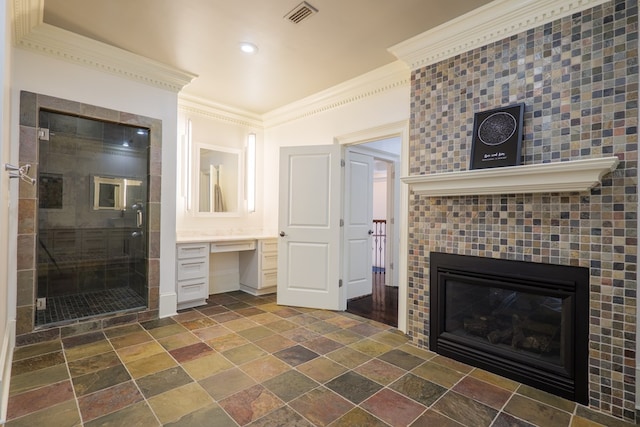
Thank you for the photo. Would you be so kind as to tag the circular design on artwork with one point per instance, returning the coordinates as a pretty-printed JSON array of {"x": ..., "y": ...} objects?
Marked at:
[{"x": 497, "y": 128}]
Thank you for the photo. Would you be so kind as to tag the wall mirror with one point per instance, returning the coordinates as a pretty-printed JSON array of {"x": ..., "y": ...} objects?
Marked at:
[
  {"x": 114, "y": 193},
  {"x": 218, "y": 180}
]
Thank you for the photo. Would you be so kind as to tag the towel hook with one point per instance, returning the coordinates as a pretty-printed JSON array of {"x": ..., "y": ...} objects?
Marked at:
[{"x": 21, "y": 172}]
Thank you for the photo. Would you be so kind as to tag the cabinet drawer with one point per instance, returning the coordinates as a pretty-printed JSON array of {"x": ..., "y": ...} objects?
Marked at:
[
  {"x": 192, "y": 268},
  {"x": 269, "y": 278},
  {"x": 269, "y": 246},
  {"x": 269, "y": 261},
  {"x": 193, "y": 251},
  {"x": 233, "y": 246},
  {"x": 192, "y": 290}
]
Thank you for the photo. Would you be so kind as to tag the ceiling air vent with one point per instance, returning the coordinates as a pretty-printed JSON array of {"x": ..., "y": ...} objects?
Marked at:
[{"x": 300, "y": 12}]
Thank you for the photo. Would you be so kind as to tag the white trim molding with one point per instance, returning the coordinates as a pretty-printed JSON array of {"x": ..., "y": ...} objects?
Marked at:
[
  {"x": 30, "y": 32},
  {"x": 492, "y": 22},
  {"x": 569, "y": 176},
  {"x": 167, "y": 304},
  {"x": 389, "y": 130},
  {"x": 6, "y": 358},
  {"x": 394, "y": 129}
]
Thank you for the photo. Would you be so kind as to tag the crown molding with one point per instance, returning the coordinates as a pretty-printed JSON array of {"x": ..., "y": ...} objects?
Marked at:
[
  {"x": 31, "y": 33},
  {"x": 194, "y": 105},
  {"x": 390, "y": 76},
  {"x": 492, "y": 22},
  {"x": 27, "y": 14}
]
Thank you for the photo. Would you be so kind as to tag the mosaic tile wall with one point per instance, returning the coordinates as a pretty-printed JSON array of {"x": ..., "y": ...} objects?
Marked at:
[
  {"x": 30, "y": 104},
  {"x": 578, "y": 77}
]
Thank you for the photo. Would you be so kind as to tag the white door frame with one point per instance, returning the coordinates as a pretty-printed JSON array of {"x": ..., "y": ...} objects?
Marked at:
[
  {"x": 398, "y": 130},
  {"x": 392, "y": 211}
]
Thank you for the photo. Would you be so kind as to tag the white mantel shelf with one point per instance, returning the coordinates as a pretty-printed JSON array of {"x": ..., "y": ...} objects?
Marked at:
[{"x": 569, "y": 176}]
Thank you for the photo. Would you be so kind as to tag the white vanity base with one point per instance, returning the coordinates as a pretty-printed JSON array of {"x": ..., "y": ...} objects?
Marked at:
[
  {"x": 218, "y": 265},
  {"x": 259, "y": 268},
  {"x": 192, "y": 270}
]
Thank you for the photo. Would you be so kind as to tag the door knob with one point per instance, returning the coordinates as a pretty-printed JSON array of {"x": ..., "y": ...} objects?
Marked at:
[
  {"x": 282, "y": 234},
  {"x": 370, "y": 232}
]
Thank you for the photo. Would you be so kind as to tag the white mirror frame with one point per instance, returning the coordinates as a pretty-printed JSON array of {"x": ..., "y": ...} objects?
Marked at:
[{"x": 239, "y": 207}]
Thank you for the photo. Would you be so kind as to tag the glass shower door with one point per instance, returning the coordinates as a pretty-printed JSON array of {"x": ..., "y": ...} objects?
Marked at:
[{"x": 92, "y": 219}]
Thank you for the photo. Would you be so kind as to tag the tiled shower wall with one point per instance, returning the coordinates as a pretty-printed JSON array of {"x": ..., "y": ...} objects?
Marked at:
[
  {"x": 578, "y": 77},
  {"x": 30, "y": 105}
]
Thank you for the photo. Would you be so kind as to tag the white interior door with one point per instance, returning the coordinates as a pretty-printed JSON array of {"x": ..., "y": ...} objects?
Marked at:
[
  {"x": 358, "y": 222},
  {"x": 309, "y": 221}
]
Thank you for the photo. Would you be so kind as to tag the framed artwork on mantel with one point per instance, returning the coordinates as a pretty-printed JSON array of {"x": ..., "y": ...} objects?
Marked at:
[{"x": 497, "y": 137}]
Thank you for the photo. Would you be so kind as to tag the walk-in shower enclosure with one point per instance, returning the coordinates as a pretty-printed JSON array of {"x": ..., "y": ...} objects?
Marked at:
[
  {"x": 88, "y": 243},
  {"x": 91, "y": 245}
]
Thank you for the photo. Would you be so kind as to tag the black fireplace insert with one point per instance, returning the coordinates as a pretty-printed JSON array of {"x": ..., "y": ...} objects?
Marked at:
[{"x": 522, "y": 320}]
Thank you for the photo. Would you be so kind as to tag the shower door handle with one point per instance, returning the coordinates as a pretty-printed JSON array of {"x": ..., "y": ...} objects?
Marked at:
[{"x": 139, "y": 218}]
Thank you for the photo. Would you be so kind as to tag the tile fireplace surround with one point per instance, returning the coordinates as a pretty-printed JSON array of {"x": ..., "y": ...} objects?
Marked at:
[{"x": 578, "y": 77}]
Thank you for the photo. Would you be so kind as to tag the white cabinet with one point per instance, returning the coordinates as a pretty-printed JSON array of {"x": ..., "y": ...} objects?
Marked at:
[
  {"x": 193, "y": 274},
  {"x": 259, "y": 268}
]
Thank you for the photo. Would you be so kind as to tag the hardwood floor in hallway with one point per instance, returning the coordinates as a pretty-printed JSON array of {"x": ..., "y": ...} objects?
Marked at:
[{"x": 381, "y": 305}]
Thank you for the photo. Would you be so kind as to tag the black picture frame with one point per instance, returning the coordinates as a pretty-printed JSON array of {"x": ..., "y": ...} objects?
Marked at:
[{"x": 497, "y": 137}]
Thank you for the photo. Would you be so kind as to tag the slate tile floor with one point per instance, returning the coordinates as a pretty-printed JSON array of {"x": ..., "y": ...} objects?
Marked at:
[{"x": 244, "y": 360}]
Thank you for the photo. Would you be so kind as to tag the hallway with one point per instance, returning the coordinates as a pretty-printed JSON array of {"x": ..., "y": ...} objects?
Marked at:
[
  {"x": 381, "y": 305},
  {"x": 244, "y": 360}
]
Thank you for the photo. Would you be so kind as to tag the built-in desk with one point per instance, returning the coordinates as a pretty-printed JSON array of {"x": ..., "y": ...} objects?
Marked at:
[{"x": 211, "y": 265}]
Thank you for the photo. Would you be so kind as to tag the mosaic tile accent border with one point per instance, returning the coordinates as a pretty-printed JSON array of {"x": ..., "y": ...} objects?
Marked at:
[
  {"x": 30, "y": 103},
  {"x": 578, "y": 77}
]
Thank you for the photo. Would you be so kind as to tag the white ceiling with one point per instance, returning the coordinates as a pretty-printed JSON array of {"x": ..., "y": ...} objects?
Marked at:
[{"x": 343, "y": 40}]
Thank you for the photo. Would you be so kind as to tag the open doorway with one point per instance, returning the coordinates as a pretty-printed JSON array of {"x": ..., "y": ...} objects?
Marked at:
[{"x": 381, "y": 303}]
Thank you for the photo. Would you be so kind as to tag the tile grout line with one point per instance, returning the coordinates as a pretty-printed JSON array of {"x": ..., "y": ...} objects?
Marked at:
[
  {"x": 180, "y": 364},
  {"x": 216, "y": 402},
  {"x": 132, "y": 379},
  {"x": 108, "y": 339},
  {"x": 73, "y": 388},
  {"x": 43, "y": 385},
  {"x": 230, "y": 331}
]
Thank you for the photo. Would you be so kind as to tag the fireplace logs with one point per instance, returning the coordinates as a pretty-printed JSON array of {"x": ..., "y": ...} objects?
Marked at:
[{"x": 525, "y": 322}]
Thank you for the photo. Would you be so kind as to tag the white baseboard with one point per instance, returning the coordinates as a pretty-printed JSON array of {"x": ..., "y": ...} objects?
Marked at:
[
  {"x": 6, "y": 358},
  {"x": 168, "y": 304},
  {"x": 258, "y": 292}
]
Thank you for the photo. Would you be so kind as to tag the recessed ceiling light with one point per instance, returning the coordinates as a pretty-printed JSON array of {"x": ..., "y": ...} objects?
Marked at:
[{"x": 248, "y": 48}]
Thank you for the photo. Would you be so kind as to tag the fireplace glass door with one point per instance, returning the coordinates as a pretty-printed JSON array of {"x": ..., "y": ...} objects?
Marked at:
[
  {"x": 525, "y": 321},
  {"x": 527, "y": 324}
]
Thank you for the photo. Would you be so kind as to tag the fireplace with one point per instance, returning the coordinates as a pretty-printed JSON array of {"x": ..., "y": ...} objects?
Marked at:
[{"x": 525, "y": 321}]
